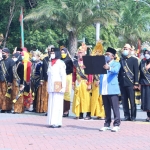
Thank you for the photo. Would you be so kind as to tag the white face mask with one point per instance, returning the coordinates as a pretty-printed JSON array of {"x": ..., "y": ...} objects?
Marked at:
[
  {"x": 22, "y": 57},
  {"x": 132, "y": 53},
  {"x": 15, "y": 59},
  {"x": 147, "y": 56},
  {"x": 52, "y": 56},
  {"x": 34, "y": 58}
]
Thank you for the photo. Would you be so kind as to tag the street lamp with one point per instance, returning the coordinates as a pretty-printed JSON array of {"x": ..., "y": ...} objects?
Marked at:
[{"x": 142, "y": 2}]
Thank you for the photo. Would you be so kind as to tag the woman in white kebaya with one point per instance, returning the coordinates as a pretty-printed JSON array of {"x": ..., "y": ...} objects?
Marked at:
[{"x": 56, "y": 88}]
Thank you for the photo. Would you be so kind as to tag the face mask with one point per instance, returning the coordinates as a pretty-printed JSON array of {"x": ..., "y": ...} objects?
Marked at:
[
  {"x": 15, "y": 59},
  {"x": 125, "y": 52},
  {"x": 147, "y": 56},
  {"x": 4, "y": 56},
  {"x": 33, "y": 58},
  {"x": 63, "y": 55},
  {"x": 107, "y": 59},
  {"x": 132, "y": 53},
  {"x": 52, "y": 56},
  {"x": 22, "y": 57}
]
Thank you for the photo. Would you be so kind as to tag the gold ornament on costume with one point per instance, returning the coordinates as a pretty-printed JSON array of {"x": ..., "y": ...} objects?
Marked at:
[
  {"x": 98, "y": 49},
  {"x": 61, "y": 47}
]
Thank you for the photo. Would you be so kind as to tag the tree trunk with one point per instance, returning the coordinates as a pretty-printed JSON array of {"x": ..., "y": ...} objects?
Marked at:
[
  {"x": 12, "y": 8},
  {"x": 72, "y": 43}
]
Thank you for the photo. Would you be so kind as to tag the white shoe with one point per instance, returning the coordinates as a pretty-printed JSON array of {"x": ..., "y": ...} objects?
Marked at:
[
  {"x": 115, "y": 129},
  {"x": 105, "y": 129}
]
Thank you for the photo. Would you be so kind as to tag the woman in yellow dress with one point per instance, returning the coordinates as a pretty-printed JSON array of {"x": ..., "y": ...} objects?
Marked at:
[{"x": 97, "y": 108}]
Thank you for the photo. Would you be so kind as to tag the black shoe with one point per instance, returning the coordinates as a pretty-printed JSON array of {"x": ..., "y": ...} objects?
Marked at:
[
  {"x": 33, "y": 110},
  {"x": 80, "y": 117},
  {"x": 45, "y": 114},
  {"x": 3, "y": 111},
  {"x": 133, "y": 119},
  {"x": 147, "y": 120},
  {"x": 54, "y": 126},
  {"x": 126, "y": 119},
  {"x": 65, "y": 115},
  {"x": 8, "y": 111}
]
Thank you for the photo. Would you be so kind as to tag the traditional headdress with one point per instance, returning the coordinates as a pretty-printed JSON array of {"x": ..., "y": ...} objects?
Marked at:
[
  {"x": 145, "y": 46},
  {"x": 82, "y": 48},
  {"x": 98, "y": 49},
  {"x": 111, "y": 50}
]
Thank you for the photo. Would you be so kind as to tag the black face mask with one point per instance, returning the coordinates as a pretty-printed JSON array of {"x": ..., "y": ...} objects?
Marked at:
[{"x": 4, "y": 56}]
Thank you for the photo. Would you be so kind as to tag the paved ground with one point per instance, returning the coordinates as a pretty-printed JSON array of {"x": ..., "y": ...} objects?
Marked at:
[{"x": 29, "y": 131}]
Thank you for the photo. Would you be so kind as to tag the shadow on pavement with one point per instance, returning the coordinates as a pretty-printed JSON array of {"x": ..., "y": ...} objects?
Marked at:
[
  {"x": 81, "y": 127},
  {"x": 33, "y": 124}
]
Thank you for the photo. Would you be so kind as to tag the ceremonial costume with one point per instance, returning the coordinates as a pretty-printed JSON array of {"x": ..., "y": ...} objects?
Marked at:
[
  {"x": 97, "y": 107},
  {"x": 27, "y": 73},
  {"x": 18, "y": 81},
  {"x": 128, "y": 78},
  {"x": 6, "y": 76},
  {"x": 56, "y": 88},
  {"x": 37, "y": 78},
  {"x": 44, "y": 86},
  {"x": 81, "y": 81},
  {"x": 69, "y": 70}
]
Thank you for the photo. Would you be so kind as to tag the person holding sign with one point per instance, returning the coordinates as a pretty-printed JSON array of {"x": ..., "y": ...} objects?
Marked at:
[
  {"x": 56, "y": 88},
  {"x": 97, "y": 107},
  {"x": 109, "y": 89}
]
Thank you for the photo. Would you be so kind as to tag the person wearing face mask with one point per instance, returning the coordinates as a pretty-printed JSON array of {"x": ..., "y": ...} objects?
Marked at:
[
  {"x": 145, "y": 82},
  {"x": 56, "y": 88},
  {"x": 18, "y": 83},
  {"x": 6, "y": 78},
  {"x": 110, "y": 90},
  {"x": 69, "y": 70},
  {"x": 37, "y": 81},
  {"x": 128, "y": 80},
  {"x": 45, "y": 77},
  {"x": 81, "y": 85}
]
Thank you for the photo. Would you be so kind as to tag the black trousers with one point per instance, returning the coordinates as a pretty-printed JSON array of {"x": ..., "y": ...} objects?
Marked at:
[
  {"x": 128, "y": 93},
  {"x": 111, "y": 101}
]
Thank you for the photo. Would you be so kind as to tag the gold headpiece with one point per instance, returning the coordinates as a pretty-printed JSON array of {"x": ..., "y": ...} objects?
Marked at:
[
  {"x": 82, "y": 48},
  {"x": 98, "y": 49}
]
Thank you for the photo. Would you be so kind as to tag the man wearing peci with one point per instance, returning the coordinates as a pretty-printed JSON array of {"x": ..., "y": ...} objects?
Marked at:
[{"x": 109, "y": 89}]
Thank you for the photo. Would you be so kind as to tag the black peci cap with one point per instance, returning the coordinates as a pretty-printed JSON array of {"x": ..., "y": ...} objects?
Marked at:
[{"x": 111, "y": 50}]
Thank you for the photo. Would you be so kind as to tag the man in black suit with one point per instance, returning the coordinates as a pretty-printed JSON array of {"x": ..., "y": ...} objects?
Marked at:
[{"x": 128, "y": 80}]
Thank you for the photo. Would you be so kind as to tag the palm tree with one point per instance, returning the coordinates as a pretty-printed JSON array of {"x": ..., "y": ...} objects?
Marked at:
[
  {"x": 133, "y": 22},
  {"x": 73, "y": 16}
]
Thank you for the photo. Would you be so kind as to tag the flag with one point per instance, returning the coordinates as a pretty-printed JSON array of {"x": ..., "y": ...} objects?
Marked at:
[{"x": 22, "y": 28}]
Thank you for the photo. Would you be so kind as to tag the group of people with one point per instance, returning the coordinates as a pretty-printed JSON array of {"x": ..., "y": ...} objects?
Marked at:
[{"x": 46, "y": 81}]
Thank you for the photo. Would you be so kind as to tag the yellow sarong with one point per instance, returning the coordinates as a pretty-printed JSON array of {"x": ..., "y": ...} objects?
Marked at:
[
  {"x": 67, "y": 95},
  {"x": 81, "y": 100},
  {"x": 97, "y": 108}
]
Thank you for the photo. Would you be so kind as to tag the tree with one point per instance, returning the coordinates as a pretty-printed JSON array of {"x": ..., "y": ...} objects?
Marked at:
[{"x": 72, "y": 16}]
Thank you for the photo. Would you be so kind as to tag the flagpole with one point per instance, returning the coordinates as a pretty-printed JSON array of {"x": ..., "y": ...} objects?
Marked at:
[{"x": 22, "y": 28}]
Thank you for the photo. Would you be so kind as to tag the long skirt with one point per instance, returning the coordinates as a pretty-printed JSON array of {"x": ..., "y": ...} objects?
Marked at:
[
  {"x": 97, "y": 107},
  {"x": 67, "y": 95},
  {"x": 5, "y": 102},
  {"x": 55, "y": 109},
  {"x": 19, "y": 105},
  {"x": 145, "y": 97},
  {"x": 81, "y": 100},
  {"x": 42, "y": 98}
]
